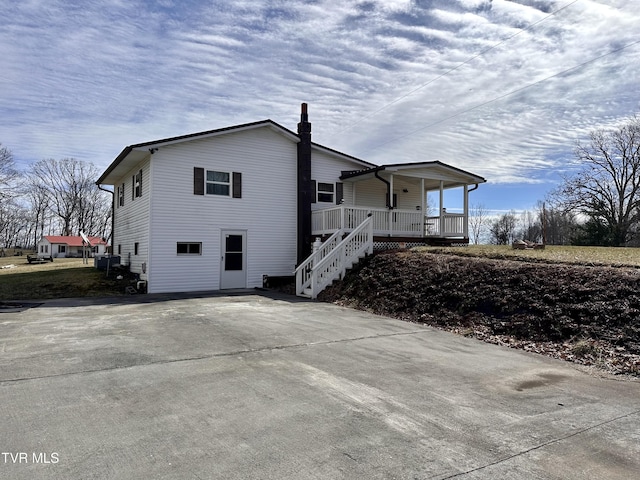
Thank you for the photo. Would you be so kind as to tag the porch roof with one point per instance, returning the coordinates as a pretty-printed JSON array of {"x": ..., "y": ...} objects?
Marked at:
[{"x": 435, "y": 171}]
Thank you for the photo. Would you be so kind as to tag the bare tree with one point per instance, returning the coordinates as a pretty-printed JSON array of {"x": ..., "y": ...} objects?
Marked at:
[
  {"x": 430, "y": 205},
  {"x": 531, "y": 226},
  {"x": 503, "y": 229},
  {"x": 8, "y": 173},
  {"x": 12, "y": 222},
  {"x": 71, "y": 195},
  {"x": 607, "y": 188},
  {"x": 37, "y": 200},
  {"x": 559, "y": 225},
  {"x": 478, "y": 219},
  {"x": 94, "y": 214}
]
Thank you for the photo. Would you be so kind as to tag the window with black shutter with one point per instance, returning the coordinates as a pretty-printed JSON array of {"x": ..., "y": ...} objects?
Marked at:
[
  {"x": 214, "y": 182},
  {"x": 325, "y": 192}
]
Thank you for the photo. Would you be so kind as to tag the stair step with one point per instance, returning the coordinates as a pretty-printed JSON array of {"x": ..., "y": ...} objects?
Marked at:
[{"x": 330, "y": 272}]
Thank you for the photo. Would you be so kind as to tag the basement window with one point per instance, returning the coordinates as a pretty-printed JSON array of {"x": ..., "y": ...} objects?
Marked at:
[
  {"x": 325, "y": 192},
  {"x": 189, "y": 248}
]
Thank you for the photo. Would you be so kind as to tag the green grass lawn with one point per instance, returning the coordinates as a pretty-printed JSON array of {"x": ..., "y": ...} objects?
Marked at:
[
  {"x": 610, "y": 256},
  {"x": 62, "y": 278}
]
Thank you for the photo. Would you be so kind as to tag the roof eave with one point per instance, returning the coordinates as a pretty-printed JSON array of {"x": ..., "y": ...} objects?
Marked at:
[
  {"x": 344, "y": 155},
  {"x": 359, "y": 173},
  {"x": 141, "y": 147},
  {"x": 470, "y": 178}
]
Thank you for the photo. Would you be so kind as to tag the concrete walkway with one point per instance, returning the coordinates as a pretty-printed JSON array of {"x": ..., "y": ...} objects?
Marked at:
[{"x": 244, "y": 385}]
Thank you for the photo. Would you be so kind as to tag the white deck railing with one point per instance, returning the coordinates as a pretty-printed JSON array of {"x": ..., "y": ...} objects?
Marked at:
[
  {"x": 320, "y": 269},
  {"x": 407, "y": 223},
  {"x": 449, "y": 225}
]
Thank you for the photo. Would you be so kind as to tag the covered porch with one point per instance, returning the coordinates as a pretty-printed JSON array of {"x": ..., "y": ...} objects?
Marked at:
[
  {"x": 390, "y": 222},
  {"x": 405, "y": 200}
]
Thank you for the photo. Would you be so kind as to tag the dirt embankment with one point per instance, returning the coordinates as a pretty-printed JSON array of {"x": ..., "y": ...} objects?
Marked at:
[{"x": 584, "y": 314}]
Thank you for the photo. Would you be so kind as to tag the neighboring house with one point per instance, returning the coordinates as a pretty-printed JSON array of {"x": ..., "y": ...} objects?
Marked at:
[
  {"x": 228, "y": 208},
  {"x": 69, "y": 246}
]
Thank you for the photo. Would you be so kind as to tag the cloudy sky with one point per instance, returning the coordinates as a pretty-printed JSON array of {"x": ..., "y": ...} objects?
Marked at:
[{"x": 501, "y": 88}]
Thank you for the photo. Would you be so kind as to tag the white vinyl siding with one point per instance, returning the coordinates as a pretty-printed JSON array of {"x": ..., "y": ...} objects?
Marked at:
[
  {"x": 370, "y": 193},
  {"x": 43, "y": 246},
  {"x": 410, "y": 199},
  {"x": 267, "y": 209},
  {"x": 132, "y": 221},
  {"x": 327, "y": 168},
  {"x": 373, "y": 193}
]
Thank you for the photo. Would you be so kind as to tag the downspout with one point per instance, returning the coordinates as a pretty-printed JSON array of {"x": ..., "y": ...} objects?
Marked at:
[
  {"x": 466, "y": 212},
  {"x": 389, "y": 198},
  {"x": 113, "y": 212}
]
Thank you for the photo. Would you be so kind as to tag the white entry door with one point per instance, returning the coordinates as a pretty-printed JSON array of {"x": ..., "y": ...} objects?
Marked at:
[{"x": 233, "y": 264}]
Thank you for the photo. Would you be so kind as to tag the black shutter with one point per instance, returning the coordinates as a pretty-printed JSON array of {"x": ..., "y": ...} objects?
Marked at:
[
  {"x": 394, "y": 203},
  {"x": 339, "y": 193},
  {"x": 133, "y": 187},
  {"x": 140, "y": 184},
  {"x": 313, "y": 191},
  {"x": 198, "y": 181},
  {"x": 237, "y": 185}
]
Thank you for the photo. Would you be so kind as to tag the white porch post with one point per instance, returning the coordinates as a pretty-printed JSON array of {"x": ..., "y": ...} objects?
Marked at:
[
  {"x": 391, "y": 205},
  {"x": 423, "y": 209},
  {"x": 465, "y": 225},
  {"x": 441, "y": 208}
]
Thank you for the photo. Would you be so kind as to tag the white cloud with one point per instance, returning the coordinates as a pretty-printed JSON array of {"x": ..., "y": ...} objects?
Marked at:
[{"x": 388, "y": 81}]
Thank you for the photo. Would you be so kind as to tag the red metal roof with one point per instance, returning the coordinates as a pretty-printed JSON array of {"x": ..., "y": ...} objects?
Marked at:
[{"x": 73, "y": 241}]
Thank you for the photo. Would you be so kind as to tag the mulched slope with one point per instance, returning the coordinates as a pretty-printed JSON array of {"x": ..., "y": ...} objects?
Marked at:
[{"x": 585, "y": 314}]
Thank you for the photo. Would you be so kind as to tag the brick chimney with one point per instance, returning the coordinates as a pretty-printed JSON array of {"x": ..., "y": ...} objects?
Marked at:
[{"x": 305, "y": 192}]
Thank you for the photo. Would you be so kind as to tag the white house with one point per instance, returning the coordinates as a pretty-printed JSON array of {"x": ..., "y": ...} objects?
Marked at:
[
  {"x": 227, "y": 208},
  {"x": 57, "y": 246}
]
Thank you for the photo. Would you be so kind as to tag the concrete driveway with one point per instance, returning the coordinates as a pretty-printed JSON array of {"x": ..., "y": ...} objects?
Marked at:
[{"x": 245, "y": 385}]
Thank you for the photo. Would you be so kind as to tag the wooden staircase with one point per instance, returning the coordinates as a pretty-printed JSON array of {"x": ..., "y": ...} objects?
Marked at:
[{"x": 332, "y": 260}]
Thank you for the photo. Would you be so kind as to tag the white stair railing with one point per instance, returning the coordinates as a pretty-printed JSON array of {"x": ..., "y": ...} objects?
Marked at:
[
  {"x": 337, "y": 261},
  {"x": 303, "y": 272}
]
